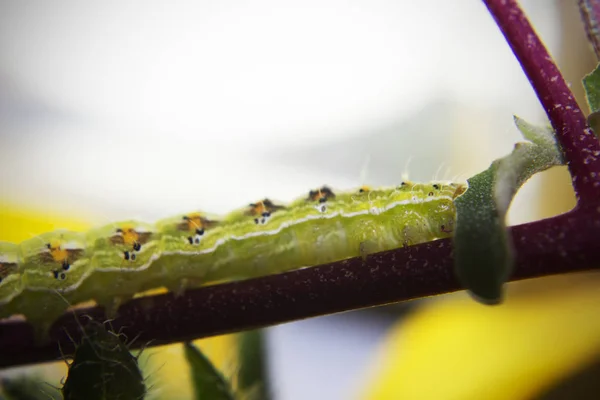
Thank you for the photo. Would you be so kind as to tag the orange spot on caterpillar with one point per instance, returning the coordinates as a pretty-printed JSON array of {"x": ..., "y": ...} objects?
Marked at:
[
  {"x": 262, "y": 207},
  {"x": 58, "y": 254},
  {"x": 195, "y": 222},
  {"x": 321, "y": 195},
  {"x": 128, "y": 236}
]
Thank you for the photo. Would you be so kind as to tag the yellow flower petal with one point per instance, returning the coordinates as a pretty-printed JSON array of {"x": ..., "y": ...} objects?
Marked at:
[{"x": 455, "y": 348}]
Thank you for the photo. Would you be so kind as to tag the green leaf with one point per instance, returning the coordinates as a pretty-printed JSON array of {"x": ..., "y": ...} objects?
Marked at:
[
  {"x": 103, "y": 368},
  {"x": 207, "y": 380},
  {"x": 28, "y": 388},
  {"x": 482, "y": 246},
  {"x": 252, "y": 374},
  {"x": 591, "y": 84}
]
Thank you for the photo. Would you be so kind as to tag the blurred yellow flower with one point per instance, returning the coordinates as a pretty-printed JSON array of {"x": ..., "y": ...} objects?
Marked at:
[{"x": 456, "y": 348}]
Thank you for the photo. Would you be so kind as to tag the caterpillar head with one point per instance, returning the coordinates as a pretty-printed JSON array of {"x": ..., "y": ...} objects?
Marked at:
[{"x": 441, "y": 221}]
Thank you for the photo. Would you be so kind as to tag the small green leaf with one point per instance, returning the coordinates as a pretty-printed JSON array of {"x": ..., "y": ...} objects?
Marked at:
[
  {"x": 103, "y": 368},
  {"x": 591, "y": 84},
  {"x": 208, "y": 382},
  {"x": 28, "y": 388},
  {"x": 252, "y": 375},
  {"x": 482, "y": 246},
  {"x": 543, "y": 136}
]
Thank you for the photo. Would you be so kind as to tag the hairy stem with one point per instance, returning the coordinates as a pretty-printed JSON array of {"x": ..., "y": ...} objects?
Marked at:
[
  {"x": 590, "y": 14},
  {"x": 579, "y": 145}
]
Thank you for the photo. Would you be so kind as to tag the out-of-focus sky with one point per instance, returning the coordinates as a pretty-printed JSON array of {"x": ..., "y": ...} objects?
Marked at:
[
  {"x": 124, "y": 109},
  {"x": 141, "y": 109}
]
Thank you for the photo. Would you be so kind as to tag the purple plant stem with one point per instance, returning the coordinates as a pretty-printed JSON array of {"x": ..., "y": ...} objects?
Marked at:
[
  {"x": 566, "y": 243},
  {"x": 590, "y": 14},
  {"x": 579, "y": 145}
]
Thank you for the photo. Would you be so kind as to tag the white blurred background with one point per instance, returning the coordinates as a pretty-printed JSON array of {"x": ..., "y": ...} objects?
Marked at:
[{"x": 124, "y": 109}]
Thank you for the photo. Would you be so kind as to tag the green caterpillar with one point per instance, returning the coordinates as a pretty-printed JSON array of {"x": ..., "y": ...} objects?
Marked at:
[{"x": 42, "y": 275}]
